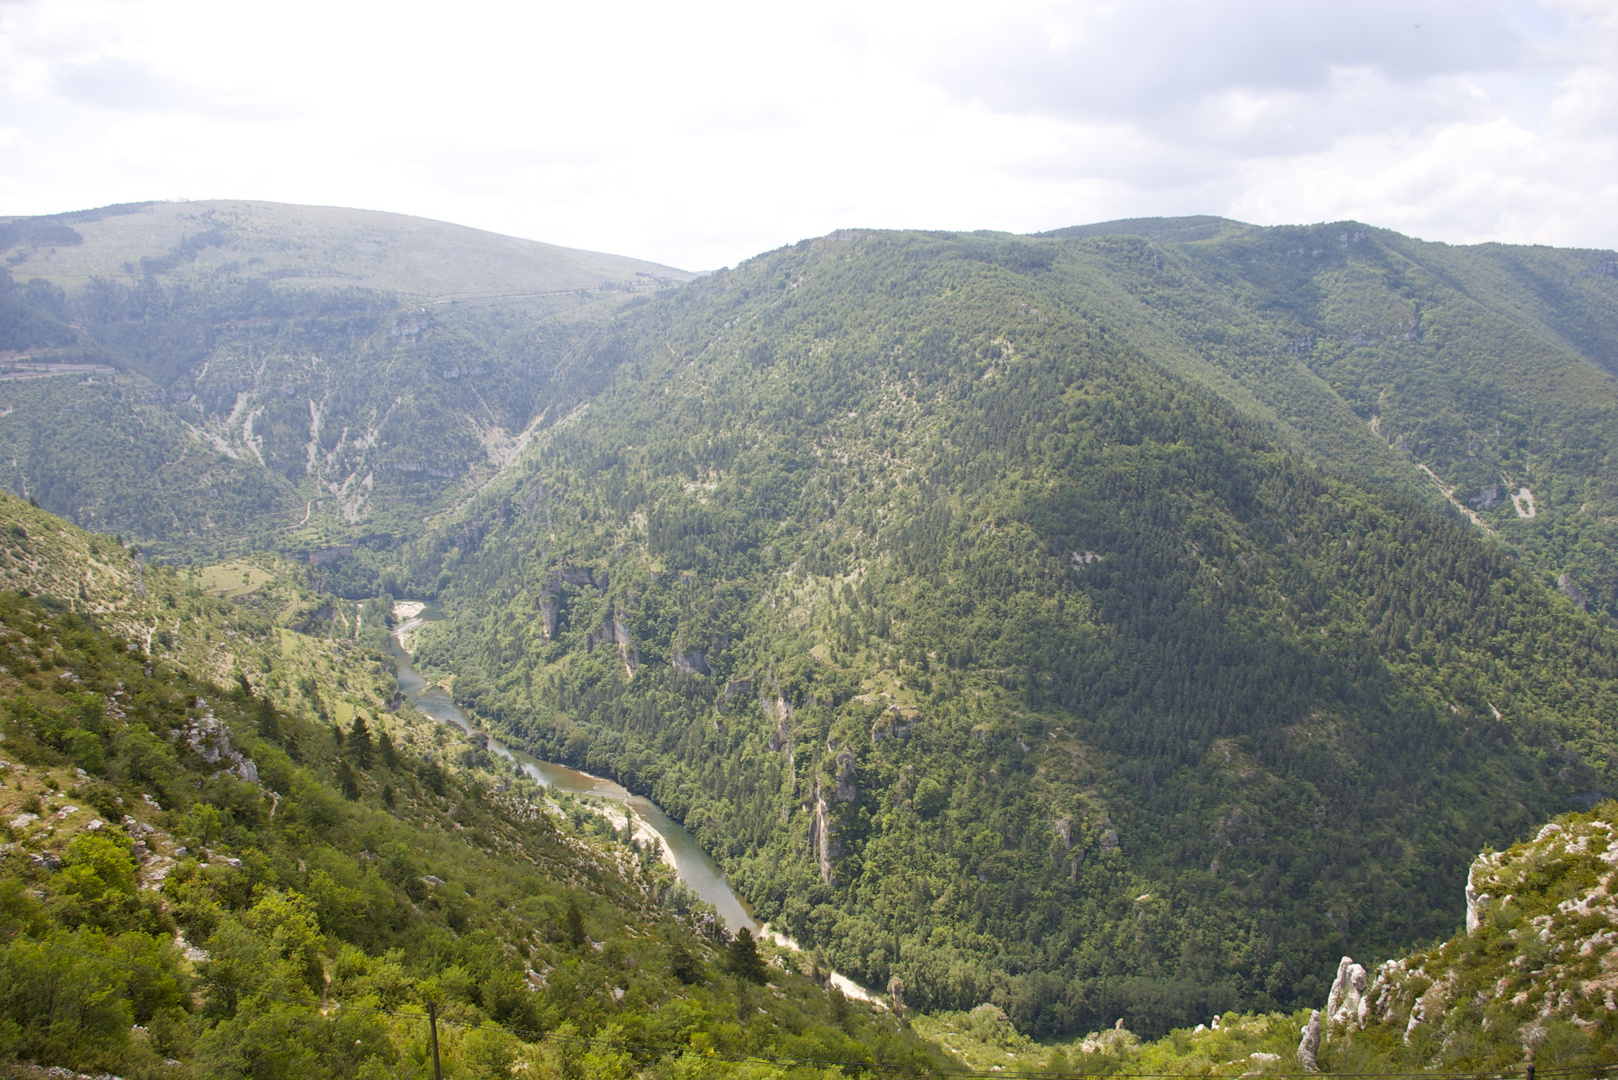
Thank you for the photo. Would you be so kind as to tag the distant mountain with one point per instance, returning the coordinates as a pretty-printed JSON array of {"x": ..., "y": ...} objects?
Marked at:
[
  {"x": 204, "y": 375},
  {"x": 212, "y": 243},
  {"x": 1027, "y": 620}
]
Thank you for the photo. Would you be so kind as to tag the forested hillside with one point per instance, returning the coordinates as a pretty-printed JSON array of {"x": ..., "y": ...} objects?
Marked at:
[
  {"x": 273, "y": 877},
  {"x": 995, "y": 655},
  {"x": 1480, "y": 377},
  {"x": 210, "y": 377},
  {"x": 226, "y": 373}
]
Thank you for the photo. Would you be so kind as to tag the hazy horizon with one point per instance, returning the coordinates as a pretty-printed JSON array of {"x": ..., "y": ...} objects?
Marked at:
[{"x": 696, "y": 138}]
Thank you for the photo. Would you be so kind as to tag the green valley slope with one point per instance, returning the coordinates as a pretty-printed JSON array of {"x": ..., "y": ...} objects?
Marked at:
[
  {"x": 1530, "y": 980},
  {"x": 274, "y": 877},
  {"x": 1117, "y": 623},
  {"x": 993, "y": 654}
]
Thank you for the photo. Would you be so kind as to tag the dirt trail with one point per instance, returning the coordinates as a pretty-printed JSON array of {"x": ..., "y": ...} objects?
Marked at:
[{"x": 1449, "y": 493}]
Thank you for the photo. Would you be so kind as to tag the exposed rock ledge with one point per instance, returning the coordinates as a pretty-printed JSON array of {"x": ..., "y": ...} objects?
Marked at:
[{"x": 1537, "y": 951}]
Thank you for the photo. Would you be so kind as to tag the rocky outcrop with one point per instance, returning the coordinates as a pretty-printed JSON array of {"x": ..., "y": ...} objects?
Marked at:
[
  {"x": 779, "y": 713},
  {"x": 1347, "y": 1005},
  {"x": 846, "y": 790},
  {"x": 1544, "y": 919},
  {"x": 691, "y": 662},
  {"x": 614, "y": 631},
  {"x": 331, "y": 554},
  {"x": 892, "y": 724},
  {"x": 1571, "y": 590},
  {"x": 1477, "y": 903},
  {"x": 550, "y": 598},
  {"x": 209, "y": 737},
  {"x": 820, "y": 835},
  {"x": 550, "y": 610},
  {"x": 1309, "y": 1045},
  {"x": 734, "y": 689}
]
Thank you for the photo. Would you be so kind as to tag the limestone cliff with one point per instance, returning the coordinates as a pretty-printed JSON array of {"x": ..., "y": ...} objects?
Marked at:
[{"x": 1531, "y": 978}]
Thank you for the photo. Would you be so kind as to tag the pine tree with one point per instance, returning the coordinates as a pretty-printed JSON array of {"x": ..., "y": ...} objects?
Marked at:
[
  {"x": 359, "y": 742},
  {"x": 742, "y": 959},
  {"x": 575, "y": 927},
  {"x": 269, "y": 725},
  {"x": 347, "y": 780},
  {"x": 684, "y": 964}
]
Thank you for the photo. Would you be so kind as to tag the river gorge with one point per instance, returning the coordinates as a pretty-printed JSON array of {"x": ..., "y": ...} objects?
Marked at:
[{"x": 693, "y": 865}]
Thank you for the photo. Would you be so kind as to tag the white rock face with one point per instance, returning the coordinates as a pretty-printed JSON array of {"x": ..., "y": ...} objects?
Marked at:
[
  {"x": 1309, "y": 1045},
  {"x": 210, "y": 738},
  {"x": 1347, "y": 1004},
  {"x": 1477, "y": 903}
]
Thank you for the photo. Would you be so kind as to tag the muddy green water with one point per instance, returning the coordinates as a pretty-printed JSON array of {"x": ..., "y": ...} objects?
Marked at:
[{"x": 693, "y": 865}]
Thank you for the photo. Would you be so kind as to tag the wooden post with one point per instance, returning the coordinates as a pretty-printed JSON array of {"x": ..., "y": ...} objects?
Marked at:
[{"x": 438, "y": 1071}]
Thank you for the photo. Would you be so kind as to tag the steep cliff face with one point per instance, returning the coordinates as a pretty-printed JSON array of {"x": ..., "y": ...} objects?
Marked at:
[{"x": 1531, "y": 978}]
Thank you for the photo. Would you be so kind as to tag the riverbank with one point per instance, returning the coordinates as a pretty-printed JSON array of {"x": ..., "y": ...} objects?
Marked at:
[{"x": 691, "y": 862}]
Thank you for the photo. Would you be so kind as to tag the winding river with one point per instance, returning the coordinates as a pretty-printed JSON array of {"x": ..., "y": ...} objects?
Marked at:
[
  {"x": 694, "y": 866},
  {"x": 691, "y": 863}
]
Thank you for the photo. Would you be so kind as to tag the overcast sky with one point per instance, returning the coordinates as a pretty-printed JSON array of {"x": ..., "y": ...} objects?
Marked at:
[{"x": 698, "y": 134}]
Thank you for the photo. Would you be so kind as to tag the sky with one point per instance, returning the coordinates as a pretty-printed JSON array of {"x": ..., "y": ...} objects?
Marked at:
[{"x": 699, "y": 134}]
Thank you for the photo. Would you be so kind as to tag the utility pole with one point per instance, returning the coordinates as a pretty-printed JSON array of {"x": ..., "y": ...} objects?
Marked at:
[{"x": 432, "y": 1016}]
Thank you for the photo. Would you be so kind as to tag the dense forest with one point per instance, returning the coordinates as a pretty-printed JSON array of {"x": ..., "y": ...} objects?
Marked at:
[
  {"x": 991, "y": 655},
  {"x": 1465, "y": 374}
]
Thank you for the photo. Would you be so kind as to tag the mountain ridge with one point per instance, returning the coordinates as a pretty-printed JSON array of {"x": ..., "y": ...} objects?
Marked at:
[
  {"x": 279, "y": 363},
  {"x": 953, "y": 623},
  {"x": 311, "y": 246}
]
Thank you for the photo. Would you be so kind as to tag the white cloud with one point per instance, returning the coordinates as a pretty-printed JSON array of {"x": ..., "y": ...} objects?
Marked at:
[{"x": 700, "y": 134}]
